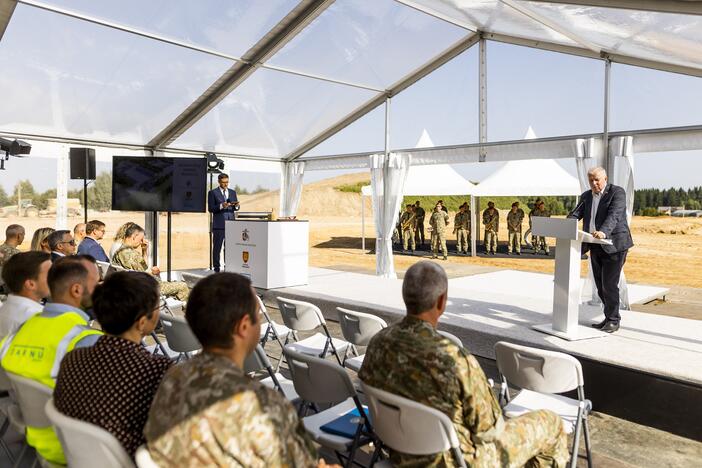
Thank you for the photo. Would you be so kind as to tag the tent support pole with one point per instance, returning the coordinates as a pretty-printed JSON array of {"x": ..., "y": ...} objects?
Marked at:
[
  {"x": 363, "y": 225},
  {"x": 608, "y": 162},
  {"x": 473, "y": 227},
  {"x": 482, "y": 97}
]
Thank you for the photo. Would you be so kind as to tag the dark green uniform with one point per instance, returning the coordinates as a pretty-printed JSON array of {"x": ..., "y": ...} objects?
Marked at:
[
  {"x": 539, "y": 242},
  {"x": 514, "y": 229},
  {"x": 438, "y": 222},
  {"x": 491, "y": 220}
]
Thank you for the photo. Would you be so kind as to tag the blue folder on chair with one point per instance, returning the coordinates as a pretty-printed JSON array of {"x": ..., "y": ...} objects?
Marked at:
[{"x": 346, "y": 424}]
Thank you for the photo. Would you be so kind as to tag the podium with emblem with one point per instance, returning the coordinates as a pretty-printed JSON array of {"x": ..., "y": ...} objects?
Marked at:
[{"x": 273, "y": 254}]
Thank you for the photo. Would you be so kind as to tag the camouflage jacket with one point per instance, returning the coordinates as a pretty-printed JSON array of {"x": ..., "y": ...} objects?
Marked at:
[
  {"x": 7, "y": 251},
  {"x": 438, "y": 221},
  {"x": 462, "y": 220},
  {"x": 411, "y": 359},
  {"x": 491, "y": 220},
  {"x": 130, "y": 258},
  {"x": 207, "y": 412},
  {"x": 514, "y": 220},
  {"x": 534, "y": 212}
]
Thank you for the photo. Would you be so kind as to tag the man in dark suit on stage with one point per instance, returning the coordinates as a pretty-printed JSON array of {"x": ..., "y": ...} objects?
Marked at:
[
  {"x": 222, "y": 203},
  {"x": 603, "y": 211}
]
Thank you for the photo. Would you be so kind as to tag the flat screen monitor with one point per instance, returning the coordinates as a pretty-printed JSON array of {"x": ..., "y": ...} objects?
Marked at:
[{"x": 159, "y": 184}]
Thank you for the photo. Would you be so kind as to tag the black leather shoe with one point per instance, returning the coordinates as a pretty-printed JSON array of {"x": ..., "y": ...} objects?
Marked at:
[
  {"x": 599, "y": 325},
  {"x": 610, "y": 327}
]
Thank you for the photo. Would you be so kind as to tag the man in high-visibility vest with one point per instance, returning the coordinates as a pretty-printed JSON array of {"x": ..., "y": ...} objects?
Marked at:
[{"x": 35, "y": 350}]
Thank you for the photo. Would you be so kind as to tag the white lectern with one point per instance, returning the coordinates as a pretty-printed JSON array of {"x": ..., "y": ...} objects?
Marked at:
[
  {"x": 273, "y": 254},
  {"x": 566, "y": 287}
]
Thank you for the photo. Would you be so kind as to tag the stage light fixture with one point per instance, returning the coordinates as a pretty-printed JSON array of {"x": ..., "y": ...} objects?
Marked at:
[
  {"x": 214, "y": 164},
  {"x": 12, "y": 148}
]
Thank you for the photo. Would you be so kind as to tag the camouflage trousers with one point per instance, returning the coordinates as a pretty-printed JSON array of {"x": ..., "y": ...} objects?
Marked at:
[
  {"x": 462, "y": 240},
  {"x": 514, "y": 242},
  {"x": 177, "y": 289},
  {"x": 533, "y": 440},
  {"x": 490, "y": 241},
  {"x": 408, "y": 238},
  {"x": 438, "y": 240},
  {"x": 539, "y": 243}
]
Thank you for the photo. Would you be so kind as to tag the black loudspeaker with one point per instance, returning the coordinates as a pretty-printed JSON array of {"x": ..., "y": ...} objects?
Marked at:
[{"x": 78, "y": 157}]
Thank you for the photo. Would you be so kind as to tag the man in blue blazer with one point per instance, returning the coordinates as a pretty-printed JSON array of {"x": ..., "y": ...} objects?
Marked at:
[
  {"x": 222, "y": 203},
  {"x": 603, "y": 211}
]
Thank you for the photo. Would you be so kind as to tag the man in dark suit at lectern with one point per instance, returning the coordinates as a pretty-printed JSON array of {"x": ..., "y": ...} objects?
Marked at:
[
  {"x": 222, "y": 203},
  {"x": 603, "y": 211}
]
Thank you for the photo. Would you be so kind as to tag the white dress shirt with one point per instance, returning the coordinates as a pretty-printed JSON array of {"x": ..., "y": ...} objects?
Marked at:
[
  {"x": 596, "y": 197},
  {"x": 15, "y": 311}
]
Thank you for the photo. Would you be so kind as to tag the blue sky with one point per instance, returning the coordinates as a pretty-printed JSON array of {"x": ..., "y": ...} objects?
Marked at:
[{"x": 553, "y": 93}]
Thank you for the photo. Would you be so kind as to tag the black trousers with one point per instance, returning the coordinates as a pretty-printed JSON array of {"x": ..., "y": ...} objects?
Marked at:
[
  {"x": 217, "y": 242},
  {"x": 607, "y": 268}
]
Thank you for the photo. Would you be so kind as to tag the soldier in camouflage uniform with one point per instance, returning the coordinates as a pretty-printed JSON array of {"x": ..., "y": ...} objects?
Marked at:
[
  {"x": 539, "y": 242},
  {"x": 14, "y": 236},
  {"x": 408, "y": 224},
  {"x": 207, "y": 411},
  {"x": 438, "y": 222},
  {"x": 461, "y": 227},
  {"x": 131, "y": 257},
  {"x": 491, "y": 220},
  {"x": 514, "y": 229},
  {"x": 420, "y": 214},
  {"x": 411, "y": 359}
]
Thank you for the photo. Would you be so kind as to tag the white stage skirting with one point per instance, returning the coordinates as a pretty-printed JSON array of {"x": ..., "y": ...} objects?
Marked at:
[{"x": 503, "y": 305}]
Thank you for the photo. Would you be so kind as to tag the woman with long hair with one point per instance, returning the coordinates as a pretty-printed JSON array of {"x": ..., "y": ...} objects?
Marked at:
[{"x": 39, "y": 242}]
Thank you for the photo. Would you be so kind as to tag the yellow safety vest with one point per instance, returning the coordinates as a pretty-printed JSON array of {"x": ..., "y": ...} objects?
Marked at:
[{"x": 35, "y": 351}]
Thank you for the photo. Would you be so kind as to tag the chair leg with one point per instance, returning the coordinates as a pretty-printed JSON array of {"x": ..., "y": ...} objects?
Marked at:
[
  {"x": 576, "y": 439},
  {"x": 586, "y": 431},
  {"x": 3, "y": 430},
  {"x": 21, "y": 455}
]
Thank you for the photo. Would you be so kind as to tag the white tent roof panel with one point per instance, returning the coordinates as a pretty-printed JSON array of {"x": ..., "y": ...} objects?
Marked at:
[
  {"x": 527, "y": 178},
  {"x": 436, "y": 179}
]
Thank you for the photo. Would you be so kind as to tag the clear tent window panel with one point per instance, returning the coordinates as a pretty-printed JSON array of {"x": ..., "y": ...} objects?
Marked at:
[
  {"x": 71, "y": 78},
  {"x": 642, "y": 98},
  {"x": 374, "y": 46},
  {"x": 492, "y": 16},
  {"x": 271, "y": 114},
  {"x": 441, "y": 109},
  {"x": 661, "y": 37},
  {"x": 553, "y": 94},
  {"x": 230, "y": 27},
  {"x": 366, "y": 134}
]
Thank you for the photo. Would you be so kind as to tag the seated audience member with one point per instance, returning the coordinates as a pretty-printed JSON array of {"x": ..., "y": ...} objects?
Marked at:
[
  {"x": 94, "y": 232},
  {"x": 14, "y": 236},
  {"x": 411, "y": 359},
  {"x": 132, "y": 257},
  {"x": 39, "y": 239},
  {"x": 238, "y": 421},
  {"x": 112, "y": 383},
  {"x": 119, "y": 237},
  {"x": 61, "y": 244},
  {"x": 25, "y": 277},
  {"x": 79, "y": 233},
  {"x": 59, "y": 328}
]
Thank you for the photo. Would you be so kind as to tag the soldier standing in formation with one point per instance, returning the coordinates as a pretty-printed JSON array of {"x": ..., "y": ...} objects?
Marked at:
[
  {"x": 514, "y": 228},
  {"x": 539, "y": 242},
  {"x": 419, "y": 214},
  {"x": 461, "y": 227},
  {"x": 408, "y": 224},
  {"x": 491, "y": 220},
  {"x": 438, "y": 222}
]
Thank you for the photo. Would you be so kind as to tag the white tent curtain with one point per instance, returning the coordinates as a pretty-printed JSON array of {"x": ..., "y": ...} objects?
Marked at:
[
  {"x": 588, "y": 155},
  {"x": 388, "y": 174},
  {"x": 291, "y": 188},
  {"x": 622, "y": 153}
]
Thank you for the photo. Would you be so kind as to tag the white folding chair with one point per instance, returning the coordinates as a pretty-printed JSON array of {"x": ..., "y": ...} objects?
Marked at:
[
  {"x": 180, "y": 337},
  {"x": 358, "y": 328},
  {"x": 103, "y": 268},
  {"x": 409, "y": 427},
  {"x": 31, "y": 398},
  {"x": 453, "y": 338},
  {"x": 258, "y": 360},
  {"x": 542, "y": 375},
  {"x": 143, "y": 458},
  {"x": 303, "y": 316},
  {"x": 271, "y": 330},
  {"x": 85, "y": 444},
  {"x": 320, "y": 382}
]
